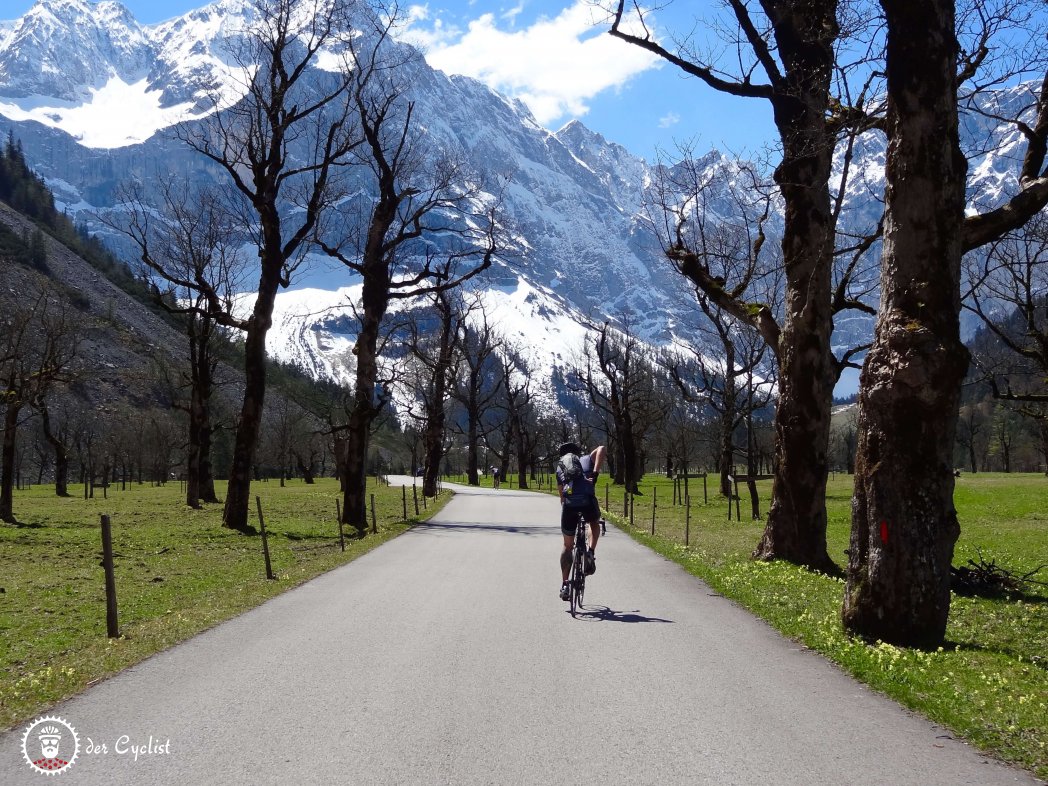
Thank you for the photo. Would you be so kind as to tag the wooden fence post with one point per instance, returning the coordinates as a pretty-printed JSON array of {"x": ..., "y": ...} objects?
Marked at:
[
  {"x": 654, "y": 504},
  {"x": 265, "y": 540},
  {"x": 687, "y": 525},
  {"x": 414, "y": 494},
  {"x": 338, "y": 516},
  {"x": 631, "y": 511},
  {"x": 404, "y": 499},
  {"x": 705, "y": 499},
  {"x": 736, "y": 483},
  {"x": 112, "y": 626}
]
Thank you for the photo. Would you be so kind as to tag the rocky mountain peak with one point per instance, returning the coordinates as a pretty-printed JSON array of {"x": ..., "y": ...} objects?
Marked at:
[{"x": 64, "y": 48}]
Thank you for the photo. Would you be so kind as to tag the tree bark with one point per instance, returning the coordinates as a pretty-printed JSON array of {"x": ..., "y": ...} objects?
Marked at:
[
  {"x": 796, "y": 526},
  {"x": 207, "y": 473},
  {"x": 238, "y": 497},
  {"x": 7, "y": 462},
  {"x": 904, "y": 524},
  {"x": 522, "y": 451},
  {"x": 374, "y": 301},
  {"x": 473, "y": 452},
  {"x": 61, "y": 454},
  {"x": 193, "y": 450},
  {"x": 204, "y": 382}
]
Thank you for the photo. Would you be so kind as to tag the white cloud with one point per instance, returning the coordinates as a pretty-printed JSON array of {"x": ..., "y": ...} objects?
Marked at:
[
  {"x": 555, "y": 65},
  {"x": 434, "y": 37},
  {"x": 669, "y": 120}
]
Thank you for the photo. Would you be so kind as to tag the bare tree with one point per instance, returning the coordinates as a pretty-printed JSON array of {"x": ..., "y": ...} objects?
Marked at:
[
  {"x": 411, "y": 230},
  {"x": 904, "y": 524},
  {"x": 478, "y": 387},
  {"x": 279, "y": 146},
  {"x": 192, "y": 251},
  {"x": 620, "y": 382},
  {"x": 971, "y": 433},
  {"x": 843, "y": 440},
  {"x": 59, "y": 425},
  {"x": 720, "y": 213},
  {"x": 1008, "y": 291},
  {"x": 792, "y": 46},
  {"x": 308, "y": 450},
  {"x": 434, "y": 343},
  {"x": 518, "y": 407},
  {"x": 38, "y": 340}
]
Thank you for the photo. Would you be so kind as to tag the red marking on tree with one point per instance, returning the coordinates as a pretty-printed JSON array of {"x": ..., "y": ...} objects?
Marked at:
[{"x": 884, "y": 532}]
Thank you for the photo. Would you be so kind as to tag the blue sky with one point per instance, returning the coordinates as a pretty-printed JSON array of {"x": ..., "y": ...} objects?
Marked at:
[{"x": 556, "y": 56}]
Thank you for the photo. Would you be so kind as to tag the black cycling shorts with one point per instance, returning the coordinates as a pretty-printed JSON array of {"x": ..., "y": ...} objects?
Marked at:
[{"x": 569, "y": 516}]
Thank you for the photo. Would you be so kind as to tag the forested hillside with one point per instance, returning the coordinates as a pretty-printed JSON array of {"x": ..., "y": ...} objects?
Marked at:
[{"x": 115, "y": 407}]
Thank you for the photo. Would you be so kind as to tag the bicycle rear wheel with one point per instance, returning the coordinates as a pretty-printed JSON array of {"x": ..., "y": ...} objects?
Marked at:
[
  {"x": 578, "y": 567},
  {"x": 578, "y": 582}
]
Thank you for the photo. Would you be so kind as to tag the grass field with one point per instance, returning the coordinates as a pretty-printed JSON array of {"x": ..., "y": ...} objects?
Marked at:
[
  {"x": 989, "y": 683},
  {"x": 178, "y": 572}
]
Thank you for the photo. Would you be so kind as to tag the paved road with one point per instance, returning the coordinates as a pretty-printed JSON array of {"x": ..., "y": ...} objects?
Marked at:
[{"x": 445, "y": 657}]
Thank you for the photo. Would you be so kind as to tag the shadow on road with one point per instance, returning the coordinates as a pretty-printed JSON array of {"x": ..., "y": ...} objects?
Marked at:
[
  {"x": 604, "y": 614},
  {"x": 516, "y": 529}
]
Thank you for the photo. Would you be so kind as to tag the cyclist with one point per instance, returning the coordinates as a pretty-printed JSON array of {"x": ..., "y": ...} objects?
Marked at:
[{"x": 582, "y": 499}]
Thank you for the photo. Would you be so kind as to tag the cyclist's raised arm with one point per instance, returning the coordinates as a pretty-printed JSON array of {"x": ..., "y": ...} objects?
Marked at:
[{"x": 597, "y": 456}]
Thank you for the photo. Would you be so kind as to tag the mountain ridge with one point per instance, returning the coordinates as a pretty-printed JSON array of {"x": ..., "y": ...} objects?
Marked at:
[{"x": 574, "y": 199}]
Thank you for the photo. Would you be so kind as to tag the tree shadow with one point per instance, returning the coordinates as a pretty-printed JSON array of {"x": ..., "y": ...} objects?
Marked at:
[
  {"x": 605, "y": 614},
  {"x": 1040, "y": 662},
  {"x": 516, "y": 529},
  {"x": 308, "y": 536}
]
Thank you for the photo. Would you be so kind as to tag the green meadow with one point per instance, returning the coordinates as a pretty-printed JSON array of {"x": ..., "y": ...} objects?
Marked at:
[
  {"x": 178, "y": 572},
  {"x": 988, "y": 683}
]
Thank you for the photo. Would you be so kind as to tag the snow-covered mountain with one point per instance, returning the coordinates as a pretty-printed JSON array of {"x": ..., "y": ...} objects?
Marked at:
[
  {"x": 93, "y": 96},
  {"x": 573, "y": 198}
]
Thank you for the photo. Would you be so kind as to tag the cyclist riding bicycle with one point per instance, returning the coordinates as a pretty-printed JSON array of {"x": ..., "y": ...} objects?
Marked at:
[{"x": 578, "y": 495}]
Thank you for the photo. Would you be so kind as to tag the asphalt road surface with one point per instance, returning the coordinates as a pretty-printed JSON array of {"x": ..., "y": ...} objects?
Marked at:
[{"x": 446, "y": 657}]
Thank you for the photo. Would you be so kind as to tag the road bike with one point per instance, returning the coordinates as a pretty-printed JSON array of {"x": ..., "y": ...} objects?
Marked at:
[{"x": 577, "y": 578}]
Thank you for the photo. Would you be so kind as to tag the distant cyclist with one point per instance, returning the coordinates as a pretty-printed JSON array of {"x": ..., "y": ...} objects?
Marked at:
[{"x": 577, "y": 484}]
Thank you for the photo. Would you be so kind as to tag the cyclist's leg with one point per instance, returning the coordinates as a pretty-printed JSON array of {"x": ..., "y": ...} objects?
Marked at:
[
  {"x": 593, "y": 519},
  {"x": 565, "y": 556},
  {"x": 568, "y": 519}
]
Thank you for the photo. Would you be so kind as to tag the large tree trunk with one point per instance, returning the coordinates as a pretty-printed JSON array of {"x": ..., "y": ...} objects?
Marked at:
[
  {"x": 61, "y": 454},
  {"x": 904, "y": 524},
  {"x": 205, "y": 381},
  {"x": 1044, "y": 442},
  {"x": 193, "y": 450},
  {"x": 436, "y": 417},
  {"x": 206, "y": 483},
  {"x": 522, "y": 454},
  {"x": 375, "y": 301},
  {"x": 796, "y": 526},
  {"x": 7, "y": 463},
  {"x": 358, "y": 433},
  {"x": 727, "y": 424},
  {"x": 238, "y": 497},
  {"x": 727, "y": 452},
  {"x": 61, "y": 473},
  {"x": 433, "y": 435},
  {"x": 473, "y": 457}
]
